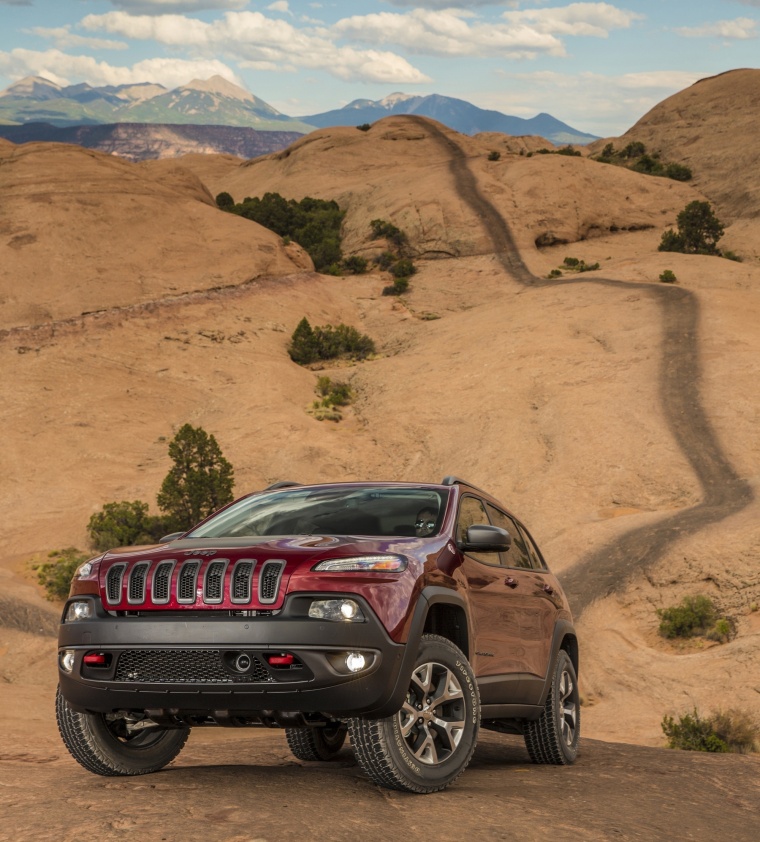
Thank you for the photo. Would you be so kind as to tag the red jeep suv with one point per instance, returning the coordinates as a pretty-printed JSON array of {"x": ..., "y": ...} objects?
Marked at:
[{"x": 406, "y": 614}]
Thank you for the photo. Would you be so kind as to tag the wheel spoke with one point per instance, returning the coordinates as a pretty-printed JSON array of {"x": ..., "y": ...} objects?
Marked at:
[
  {"x": 448, "y": 689},
  {"x": 407, "y": 717},
  {"x": 422, "y": 678},
  {"x": 427, "y": 753},
  {"x": 452, "y": 730}
]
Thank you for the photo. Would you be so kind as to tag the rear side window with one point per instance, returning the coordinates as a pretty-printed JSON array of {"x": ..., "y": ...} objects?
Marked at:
[
  {"x": 518, "y": 555},
  {"x": 535, "y": 557}
]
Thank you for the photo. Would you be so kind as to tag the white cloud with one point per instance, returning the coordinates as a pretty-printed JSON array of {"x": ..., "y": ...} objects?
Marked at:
[
  {"x": 448, "y": 33},
  {"x": 161, "y": 7},
  {"x": 590, "y": 19},
  {"x": 592, "y": 102},
  {"x": 65, "y": 69},
  {"x": 252, "y": 38},
  {"x": 280, "y": 6},
  {"x": 64, "y": 38},
  {"x": 739, "y": 29}
]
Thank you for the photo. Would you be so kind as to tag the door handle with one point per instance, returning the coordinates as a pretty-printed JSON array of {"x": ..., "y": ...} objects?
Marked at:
[{"x": 512, "y": 583}]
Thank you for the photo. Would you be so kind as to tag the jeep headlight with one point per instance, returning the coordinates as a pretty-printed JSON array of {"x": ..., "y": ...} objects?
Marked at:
[
  {"x": 363, "y": 564},
  {"x": 79, "y": 610}
]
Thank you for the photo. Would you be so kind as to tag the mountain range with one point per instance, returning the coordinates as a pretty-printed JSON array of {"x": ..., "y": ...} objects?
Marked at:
[{"x": 218, "y": 102}]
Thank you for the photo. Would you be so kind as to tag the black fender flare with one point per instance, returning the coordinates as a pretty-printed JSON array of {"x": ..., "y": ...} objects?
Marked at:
[{"x": 564, "y": 637}]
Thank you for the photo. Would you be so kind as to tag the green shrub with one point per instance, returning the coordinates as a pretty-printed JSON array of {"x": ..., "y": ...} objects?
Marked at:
[
  {"x": 309, "y": 345},
  {"x": 692, "y": 733},
  {"x": 123, "y": 524},
  {"x": 729, "y": 730},
  {"x": 555, "y": 273},
  {"x": 334, "y": 392},
  {"x": 695, "y": 615},
  {"x": 571, "y": 262},
  {"x": 731, "y": 255},
  {"x": 635, "y": 149},
  {"x": 678, "y": 172},
  {"x": 403, "y": 268},
  {"x": 398, "y": 287},
  {"x": 56, "y": 575},
  {"x": 698, "y": 231},
  {"x": 225, "y": 201},
  {"x": 314, "y": 224},
  {"x": 200, "y": 481},
  {"x": 365, "y": 127},
  {"x": 723, "y": 630},
  {"x": 494, "y": 155},
  {"x": 355, "y": 264},
  {"x": 385, "y": 260},
  {"x": 387, "y": 230},
  {"x": 668, "y": 277},
  {"x": 568, "y": 150}
]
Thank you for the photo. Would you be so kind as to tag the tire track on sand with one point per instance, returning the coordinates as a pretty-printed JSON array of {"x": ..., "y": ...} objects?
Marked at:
[{"x": 609, "y": 569}]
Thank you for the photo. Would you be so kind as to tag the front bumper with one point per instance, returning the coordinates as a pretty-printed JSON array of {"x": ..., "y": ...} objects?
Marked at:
[{"x": 184, "y": 667}]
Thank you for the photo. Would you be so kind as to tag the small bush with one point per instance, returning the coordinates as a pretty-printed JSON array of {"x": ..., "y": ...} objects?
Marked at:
[
  {"x": 692, "y": 733},
  {"x": 56, "y": 575},
  {"x": 571, "y": 262},
  {"x": 695, "y": 615},
  {"x": 334, "y": 392},
  {"x": 385, "y": 260},
  {"x": 555, "y": 273},
  {"x": 723, "y": 630},
  {"x": 403, "y": 268},
  {"x": 365, "y": 127},
  {"x": 355, "y": 264},
  {"x": 224, "y": 201},
  {"x": 731, "y": 255},
  {"x": 730, "y": 730},
  {"x": 568, "y": 150},
  {"x": 387, "y": 230},
  {"x": 494, "y": 155},
  {"x": 309, "y": 345},
  {"x": 678, "y": 172},
  {"x": 668, "y": 277},
  {"x": 398, "y": 287}
]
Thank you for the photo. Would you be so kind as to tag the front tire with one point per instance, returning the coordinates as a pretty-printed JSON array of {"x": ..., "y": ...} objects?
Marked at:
[
  {"x": 105, "y": 745},
  {"x": 427, "y": 745},
  {"x": 553, "y": 737},
  {"x": 321, "y": 743}
]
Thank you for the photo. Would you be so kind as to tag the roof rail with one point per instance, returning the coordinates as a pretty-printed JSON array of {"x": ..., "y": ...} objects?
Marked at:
[
  {"x": 452, "y": 480},
  {"x": 286, "y": 483}
]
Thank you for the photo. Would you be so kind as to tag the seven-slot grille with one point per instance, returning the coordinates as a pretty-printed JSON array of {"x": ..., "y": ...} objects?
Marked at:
[
  {"x": 191, "y": 580},
  {"x": 183, "y": 666}
]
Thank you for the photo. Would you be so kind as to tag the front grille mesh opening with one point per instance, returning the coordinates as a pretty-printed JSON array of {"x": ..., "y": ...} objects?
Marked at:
[
  {"x": 269, "y": 581},
  {"x": 188, "y": 576},
  {"x": 240, "y": 589},
  {"x": 213, "y": 589},
  {"x": 183, "y": 666},
  {"x": 137, "y": 582},
  {"x": 162, "y": 582},
  {"x": 113, "y": 582}
]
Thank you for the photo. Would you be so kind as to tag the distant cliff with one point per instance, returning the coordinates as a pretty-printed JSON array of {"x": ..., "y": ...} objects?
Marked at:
[{"x": 147, "y": 141}]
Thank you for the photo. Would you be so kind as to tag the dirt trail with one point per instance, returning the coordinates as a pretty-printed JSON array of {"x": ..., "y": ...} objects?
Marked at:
[{"x": 724, "y": 492}]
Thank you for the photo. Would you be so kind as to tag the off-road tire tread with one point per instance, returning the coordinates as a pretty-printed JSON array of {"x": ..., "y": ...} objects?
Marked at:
[
  {"x": 373, "y": 753},
  {"x": 542, "y": 737},
  {"x": 85, "y": 749},
  {"x": 305, "y": 744}
]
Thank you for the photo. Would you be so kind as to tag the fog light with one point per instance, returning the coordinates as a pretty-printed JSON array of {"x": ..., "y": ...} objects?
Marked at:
[
  {"x": 337, "y": 610},
  {"x": 355, "y": 661},
  {"x": 67, "y": 660},
  {"x": 78, "y": 611}
]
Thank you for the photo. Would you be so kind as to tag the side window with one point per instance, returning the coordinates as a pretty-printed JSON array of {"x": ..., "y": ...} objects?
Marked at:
[
  {"x": 518, "y": 554},
  {"x": 471, "y": 511},
  {"x": 535, "y": 557}
]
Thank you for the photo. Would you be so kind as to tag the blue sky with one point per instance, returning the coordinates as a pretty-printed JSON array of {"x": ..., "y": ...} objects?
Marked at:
[{"x": 596, "y": 65}]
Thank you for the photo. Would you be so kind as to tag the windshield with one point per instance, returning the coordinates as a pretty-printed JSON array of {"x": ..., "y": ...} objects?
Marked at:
[{"x": 355, "y": 510}]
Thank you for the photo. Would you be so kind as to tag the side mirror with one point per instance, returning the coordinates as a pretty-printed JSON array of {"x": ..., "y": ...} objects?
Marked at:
[
  {"x": 168, "y": 538},
  {"x": 486, "y": 539}
]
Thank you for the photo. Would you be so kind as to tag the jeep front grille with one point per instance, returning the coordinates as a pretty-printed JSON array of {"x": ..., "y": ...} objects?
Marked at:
[
  {"x": 114, "y": 579},
  {"x": 240, "y": 589},
  {"x": 137, "y": 577},
  {"x": 186, "y": 581},
  {"x": 269, "y": 581},
  {"x": 184, "y": 666},
  {"x": 213, "y": 583},
  {"x": 162, "y": 580}
]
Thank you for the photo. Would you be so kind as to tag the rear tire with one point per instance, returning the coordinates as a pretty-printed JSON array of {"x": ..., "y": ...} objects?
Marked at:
[
  {"x": 320, "y": 743},
  {"x": 553, "y": 737},
  {"x": 103, "y": 744},
  {"x": 427, "y": 745}
]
